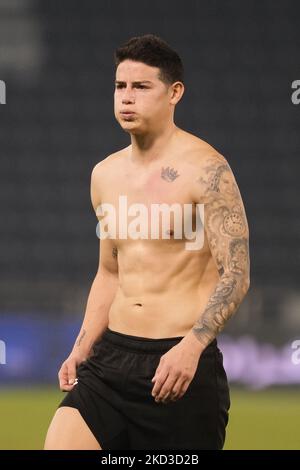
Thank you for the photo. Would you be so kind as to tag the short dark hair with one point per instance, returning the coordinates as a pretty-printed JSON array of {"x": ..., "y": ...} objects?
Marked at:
[{"x": 153, "y": 51}]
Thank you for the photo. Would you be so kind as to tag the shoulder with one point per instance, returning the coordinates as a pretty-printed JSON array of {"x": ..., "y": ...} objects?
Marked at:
[
  {"x": 102, "y": 175},
  {"x": 210, "y": 169},
  {"x": 109, "y": 163},
  {"x": 199, "y": 153}
]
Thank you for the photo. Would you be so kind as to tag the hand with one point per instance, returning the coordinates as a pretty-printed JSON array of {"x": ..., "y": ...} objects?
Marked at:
[
  {"x": 176, "y": 369},
  {"x": 67, "y": 372}
]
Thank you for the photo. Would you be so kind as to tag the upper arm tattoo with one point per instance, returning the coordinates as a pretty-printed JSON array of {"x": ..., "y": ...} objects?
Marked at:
[
  {"x": 227, "y": 232},
  {"x": 115, "y": 252}
]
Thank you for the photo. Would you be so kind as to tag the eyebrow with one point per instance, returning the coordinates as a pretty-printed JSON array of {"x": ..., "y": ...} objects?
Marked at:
[{"x": 134, "y": 83}]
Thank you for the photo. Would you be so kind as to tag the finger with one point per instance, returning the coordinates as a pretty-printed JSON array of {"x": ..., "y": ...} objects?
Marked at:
[
  {"x": 167, "y": 398},
  {"x": 63, "y": 376},
  {"x": 66, "y": 388},
  {"x": 66, "y": 374},
  {"x": 71, "y": 366},
  {"x": 179, "y": 389},
  {"x": 157, "y": 372},
  {"x": 161, "y": 378},
  {"x": 166, "y": 388},
  {"x": 63, "y": 383},
  {"x": 184, "y": 389}
]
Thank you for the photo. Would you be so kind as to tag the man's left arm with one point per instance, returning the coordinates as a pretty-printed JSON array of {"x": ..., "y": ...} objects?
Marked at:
[
  {"x": 227, "y": 232},
  {"x": 226, "y": 227}
]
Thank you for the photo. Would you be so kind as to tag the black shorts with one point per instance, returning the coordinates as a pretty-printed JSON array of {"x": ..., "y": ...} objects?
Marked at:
[{"x": 113, "y": 395}]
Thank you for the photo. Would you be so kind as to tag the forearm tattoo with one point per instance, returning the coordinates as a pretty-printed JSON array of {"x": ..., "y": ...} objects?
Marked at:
[
  {"x": 227, "y": 233},
  {"x": 81, "y": 337}
]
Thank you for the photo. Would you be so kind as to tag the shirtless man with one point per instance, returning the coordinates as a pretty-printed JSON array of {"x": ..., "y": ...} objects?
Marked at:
[{"x": 145, "y": 371}]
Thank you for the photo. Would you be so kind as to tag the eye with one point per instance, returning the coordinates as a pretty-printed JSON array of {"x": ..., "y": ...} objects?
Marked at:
[{"x": 119, "y": 85}]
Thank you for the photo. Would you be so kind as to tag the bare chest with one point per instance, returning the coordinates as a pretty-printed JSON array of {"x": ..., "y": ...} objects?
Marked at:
[
  {"x": 162, "y": 184},
  {"x": 153, "y": 204}
]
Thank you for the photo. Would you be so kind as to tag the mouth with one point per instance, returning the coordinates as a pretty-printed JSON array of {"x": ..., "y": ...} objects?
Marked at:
[{"x": 127, "y": 113}]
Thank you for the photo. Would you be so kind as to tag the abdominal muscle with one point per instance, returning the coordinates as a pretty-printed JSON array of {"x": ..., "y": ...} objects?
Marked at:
[{"x": 161, "y": 293}]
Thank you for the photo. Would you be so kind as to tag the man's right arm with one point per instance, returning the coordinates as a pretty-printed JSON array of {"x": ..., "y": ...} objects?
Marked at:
[{"x": 101, "y": 295}]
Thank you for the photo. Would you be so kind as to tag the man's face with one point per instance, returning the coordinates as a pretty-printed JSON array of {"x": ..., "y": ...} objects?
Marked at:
[{"x": 138, "y": 89}]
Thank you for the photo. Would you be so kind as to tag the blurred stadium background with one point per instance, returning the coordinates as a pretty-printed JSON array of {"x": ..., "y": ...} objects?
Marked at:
[{"x": 56, "y": 59}]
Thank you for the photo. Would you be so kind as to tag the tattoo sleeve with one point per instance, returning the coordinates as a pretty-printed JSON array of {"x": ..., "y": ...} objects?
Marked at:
[{"x": 226, "y": 227}]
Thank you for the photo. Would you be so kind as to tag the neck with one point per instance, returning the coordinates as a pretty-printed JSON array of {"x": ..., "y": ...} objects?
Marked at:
[{"x": 150, "y": 147}]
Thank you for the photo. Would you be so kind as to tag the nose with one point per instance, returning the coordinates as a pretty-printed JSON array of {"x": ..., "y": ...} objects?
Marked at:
[{"x": 128, "y": 96}]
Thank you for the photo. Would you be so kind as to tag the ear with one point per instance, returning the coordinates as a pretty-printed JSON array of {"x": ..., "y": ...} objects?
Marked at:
[{"x": 177, "y": 90}]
